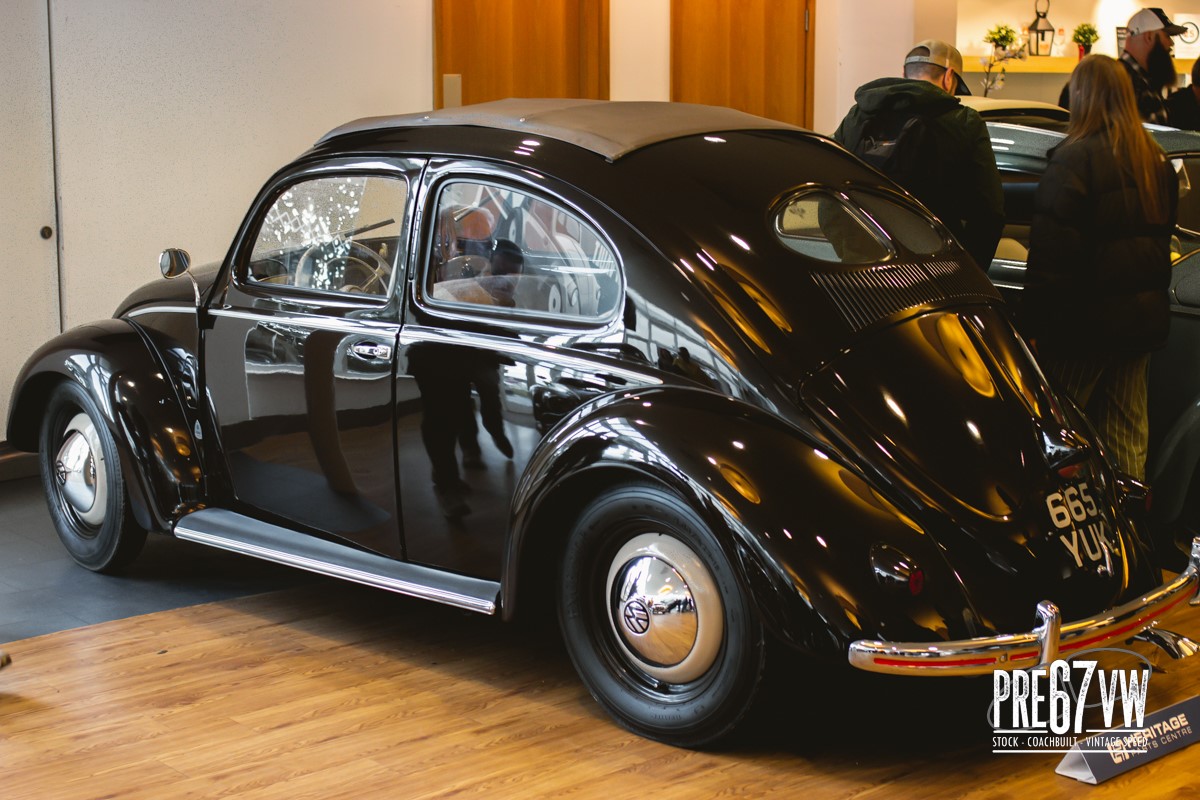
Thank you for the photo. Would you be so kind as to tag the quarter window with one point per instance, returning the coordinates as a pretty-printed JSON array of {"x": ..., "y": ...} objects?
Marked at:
[
  {"x": 503, "y": 248},
  {"x": 332, "y": 234}
]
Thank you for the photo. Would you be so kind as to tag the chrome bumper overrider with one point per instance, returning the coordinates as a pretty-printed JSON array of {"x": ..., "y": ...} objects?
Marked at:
[{"x": 1050, "y": 640}]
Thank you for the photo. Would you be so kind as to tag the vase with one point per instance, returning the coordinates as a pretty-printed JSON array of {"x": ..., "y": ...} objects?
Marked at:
[{"x": 1084, "y": 49}]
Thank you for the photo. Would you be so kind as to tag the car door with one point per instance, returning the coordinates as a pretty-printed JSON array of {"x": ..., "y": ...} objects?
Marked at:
[
  {"x": 301, "y": 350},
  {"x": 515, "y": 319}
]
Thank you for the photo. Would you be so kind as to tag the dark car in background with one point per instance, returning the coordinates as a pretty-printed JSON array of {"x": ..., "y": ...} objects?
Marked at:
[
  {"x": 1021, "y": 154},
  {"x": 694, "y": 382}
]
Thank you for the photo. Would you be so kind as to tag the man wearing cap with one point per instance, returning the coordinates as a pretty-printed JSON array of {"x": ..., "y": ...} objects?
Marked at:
[
  {"x": 1147, "y": 59},
  {"x": 960, "y": 182}
]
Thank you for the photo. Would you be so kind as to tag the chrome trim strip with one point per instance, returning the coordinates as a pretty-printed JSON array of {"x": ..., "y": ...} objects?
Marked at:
[
  {"x": 320, "y": 323},
  {"x": 1023, "y": 650},
  {"x": 239, "y": 534},
  {"x": 190, "y": 308},
  {"x": 414, "y": 334}
]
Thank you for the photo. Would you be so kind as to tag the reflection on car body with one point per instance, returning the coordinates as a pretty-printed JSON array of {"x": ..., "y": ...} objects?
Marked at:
[{"x": 736, "y": 388}]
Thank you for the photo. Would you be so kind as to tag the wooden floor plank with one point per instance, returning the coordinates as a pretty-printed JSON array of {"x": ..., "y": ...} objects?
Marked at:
[{"x": 341, "y": 691}]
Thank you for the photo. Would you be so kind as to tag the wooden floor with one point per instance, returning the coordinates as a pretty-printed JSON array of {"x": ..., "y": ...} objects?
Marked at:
[{"x": 342, "y": 691}]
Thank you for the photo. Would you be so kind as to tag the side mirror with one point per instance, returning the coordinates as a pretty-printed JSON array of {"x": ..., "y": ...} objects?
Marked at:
[{"x": 174, "y": 262}]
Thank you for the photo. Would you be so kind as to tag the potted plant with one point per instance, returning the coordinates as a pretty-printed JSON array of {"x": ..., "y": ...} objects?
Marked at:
[
  {"x": 1001, "y": 36},
  {"x": 1085, "y": 36},
  {"x": 1003, "y": 39}
]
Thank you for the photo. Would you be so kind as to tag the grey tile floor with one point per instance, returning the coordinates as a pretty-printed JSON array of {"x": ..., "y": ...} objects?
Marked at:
[{"x": 42, "y": 590}]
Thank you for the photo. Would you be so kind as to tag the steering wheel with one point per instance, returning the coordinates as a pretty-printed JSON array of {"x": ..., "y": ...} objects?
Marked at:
[{"x": 359, "y": 259}]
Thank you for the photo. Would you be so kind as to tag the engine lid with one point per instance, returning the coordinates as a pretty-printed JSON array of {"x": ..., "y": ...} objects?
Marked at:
[{"x": 950, "y": 409}]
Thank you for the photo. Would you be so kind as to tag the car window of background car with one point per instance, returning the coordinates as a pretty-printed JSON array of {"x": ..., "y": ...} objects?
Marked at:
[
  {"x": 1189, "y": 202},
  {"x": 556, "y": 264},
  {"x": 338, "y": 234}
]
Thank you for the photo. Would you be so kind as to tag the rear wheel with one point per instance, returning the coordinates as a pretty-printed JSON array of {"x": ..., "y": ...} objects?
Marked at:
[
  {"x": 85, "y": 489},
  {"x": 656, "y": 622}
]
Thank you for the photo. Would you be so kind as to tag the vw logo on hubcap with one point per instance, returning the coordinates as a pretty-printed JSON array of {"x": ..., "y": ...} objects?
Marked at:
[{"x": 636, "y": 617}]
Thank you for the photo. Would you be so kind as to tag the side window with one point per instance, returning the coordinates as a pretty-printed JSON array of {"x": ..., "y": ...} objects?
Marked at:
[
  {"x": 496, "y": 246},
  {"x": 334, "y": 234}
]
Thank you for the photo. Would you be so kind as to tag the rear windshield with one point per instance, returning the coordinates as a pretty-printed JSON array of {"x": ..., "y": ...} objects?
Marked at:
[{"x": 855, "y": 227}]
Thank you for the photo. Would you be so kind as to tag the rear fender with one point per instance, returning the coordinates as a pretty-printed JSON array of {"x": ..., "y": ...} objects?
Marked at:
[
  {"x": 795, "y": 518},
  {"x": 113, "y": 363}
]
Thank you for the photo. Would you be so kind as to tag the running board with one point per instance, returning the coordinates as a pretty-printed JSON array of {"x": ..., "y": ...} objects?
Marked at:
[{"x": 218, "y": 527}]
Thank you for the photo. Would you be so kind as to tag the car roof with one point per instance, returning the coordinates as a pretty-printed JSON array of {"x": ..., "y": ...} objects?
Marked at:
[
  {"x": 1028, "y": 141},
  {"x": 606, "y": 127},
  {"x": 995, "y": 105},
  {"x": 1032, "y": 113}
]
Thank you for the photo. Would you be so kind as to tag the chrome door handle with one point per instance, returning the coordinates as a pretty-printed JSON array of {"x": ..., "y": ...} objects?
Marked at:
[{"x": 372, "y": 350}]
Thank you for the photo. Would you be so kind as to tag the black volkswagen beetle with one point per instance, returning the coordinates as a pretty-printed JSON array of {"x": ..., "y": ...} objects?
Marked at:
[{"x": 699, "y": 381}]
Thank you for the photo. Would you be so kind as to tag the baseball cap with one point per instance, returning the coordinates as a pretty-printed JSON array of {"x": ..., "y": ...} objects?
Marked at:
[
  {"x": 1152, "y": 19},
  {"x": 945, "y": 56}
]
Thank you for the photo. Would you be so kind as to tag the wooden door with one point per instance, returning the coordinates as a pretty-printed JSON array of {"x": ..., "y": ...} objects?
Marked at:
[
  {"x": 752, "y": 55},
  {"x": 519, "y": 48}
]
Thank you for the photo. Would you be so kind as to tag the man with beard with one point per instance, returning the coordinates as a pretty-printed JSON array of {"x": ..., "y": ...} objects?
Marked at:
[{"x": 1147, "y": 59}]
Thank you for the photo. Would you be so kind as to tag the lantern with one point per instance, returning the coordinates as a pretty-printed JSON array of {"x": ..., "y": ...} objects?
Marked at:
[{"x": 1041, "y": 32}]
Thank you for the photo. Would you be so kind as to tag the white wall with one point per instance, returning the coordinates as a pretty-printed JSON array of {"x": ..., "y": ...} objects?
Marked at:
[
  {"x": 639, "y": 50},
  {"x": 860, "y": 40},
  {"x": 171, "y": 114}
]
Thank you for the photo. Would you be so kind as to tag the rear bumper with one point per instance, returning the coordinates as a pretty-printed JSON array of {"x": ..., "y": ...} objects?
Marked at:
[{"x": 1050, "y": 640}]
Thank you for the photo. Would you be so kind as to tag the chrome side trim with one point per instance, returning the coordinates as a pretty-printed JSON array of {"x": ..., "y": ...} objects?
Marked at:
[
  {"x": 320, "y": 323},
  {"x": 228, "y": 530},
  {"x": 413, "y": 334},
  {"x": 1043, "y": 644},
  {"x": 181, "y": 309}
]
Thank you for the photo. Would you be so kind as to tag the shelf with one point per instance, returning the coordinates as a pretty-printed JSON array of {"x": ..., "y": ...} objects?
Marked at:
[
  {"x": 1036, "y": 64},
  {"x": 1048, "y": 65}
]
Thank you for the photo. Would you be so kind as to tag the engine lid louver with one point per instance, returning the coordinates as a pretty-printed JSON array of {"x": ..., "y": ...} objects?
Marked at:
[{"x": 867, "y": 295}]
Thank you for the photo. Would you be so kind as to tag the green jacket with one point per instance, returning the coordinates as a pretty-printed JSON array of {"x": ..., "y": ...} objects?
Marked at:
[{"x": 963, "y": 186}]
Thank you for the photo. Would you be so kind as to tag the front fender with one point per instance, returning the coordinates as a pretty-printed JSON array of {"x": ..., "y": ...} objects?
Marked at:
[
  {"x": 796, "y": 518},
  {"x": 142, "y": 410}
]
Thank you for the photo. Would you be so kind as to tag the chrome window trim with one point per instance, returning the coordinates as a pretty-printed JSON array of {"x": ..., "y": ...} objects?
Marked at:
[{"x": 469, "y": 171}]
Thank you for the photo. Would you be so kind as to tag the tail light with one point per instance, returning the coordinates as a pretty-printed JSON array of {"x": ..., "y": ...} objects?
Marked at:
[{"x": 897, "y": 570}]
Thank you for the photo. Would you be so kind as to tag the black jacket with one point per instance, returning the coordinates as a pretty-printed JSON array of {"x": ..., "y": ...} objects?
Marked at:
[
  {"x": 1098, "y": 269},
  {"x": 963, "y": 185},
  {"x": 1150, "y": 103},
  {"x": 1183, "y": 109}
]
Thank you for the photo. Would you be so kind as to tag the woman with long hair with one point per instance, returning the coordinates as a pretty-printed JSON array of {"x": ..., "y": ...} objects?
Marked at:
[{"x": 1100, "y": 259}]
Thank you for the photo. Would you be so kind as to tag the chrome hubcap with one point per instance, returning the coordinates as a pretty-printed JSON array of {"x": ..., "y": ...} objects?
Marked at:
[
  {"x": 79, "y": 470},
  {"x": 665, "y": 608}
]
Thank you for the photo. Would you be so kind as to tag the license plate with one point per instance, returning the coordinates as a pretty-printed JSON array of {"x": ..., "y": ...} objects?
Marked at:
[{"x": 1079, "y": 525}]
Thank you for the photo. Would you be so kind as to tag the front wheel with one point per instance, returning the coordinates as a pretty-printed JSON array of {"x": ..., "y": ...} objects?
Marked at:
[
  {"x": 85, "y": 489},
  {"x": 654, "y": 617}
]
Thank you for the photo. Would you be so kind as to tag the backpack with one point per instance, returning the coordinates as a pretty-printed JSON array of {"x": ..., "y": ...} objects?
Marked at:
[{"x": 900, "y": 145}]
